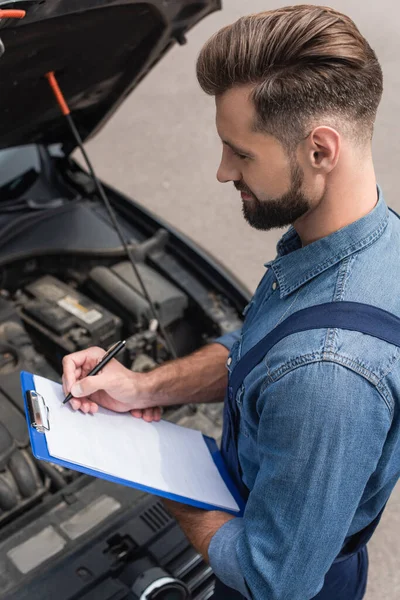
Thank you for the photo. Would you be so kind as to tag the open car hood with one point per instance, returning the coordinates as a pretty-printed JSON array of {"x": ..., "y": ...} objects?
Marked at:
[{"x": 99, "y": 51}]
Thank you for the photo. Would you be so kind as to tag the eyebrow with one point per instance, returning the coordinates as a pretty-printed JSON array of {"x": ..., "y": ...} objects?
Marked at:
[{"x": 237, "y": 149}]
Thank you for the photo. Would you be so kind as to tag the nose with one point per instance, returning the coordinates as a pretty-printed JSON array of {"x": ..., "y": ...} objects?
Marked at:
[{"x": 227, "y": 171}]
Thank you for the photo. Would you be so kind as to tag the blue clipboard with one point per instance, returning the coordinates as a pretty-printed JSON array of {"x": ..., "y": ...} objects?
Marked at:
[{"x": 38, "y": 421}]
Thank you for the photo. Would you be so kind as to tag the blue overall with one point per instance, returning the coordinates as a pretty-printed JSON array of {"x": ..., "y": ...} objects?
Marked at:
[{"x": 346, "y": 579}]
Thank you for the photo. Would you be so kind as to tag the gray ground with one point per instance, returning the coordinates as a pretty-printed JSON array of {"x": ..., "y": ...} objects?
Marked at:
[{"x": 162, "y": 149}]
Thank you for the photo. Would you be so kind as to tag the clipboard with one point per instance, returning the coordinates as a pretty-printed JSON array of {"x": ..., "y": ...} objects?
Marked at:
[{"x": 39, "y": 421}]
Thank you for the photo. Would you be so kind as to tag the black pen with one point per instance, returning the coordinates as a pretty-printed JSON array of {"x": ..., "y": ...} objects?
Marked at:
[{"x": 106, "y": 359}]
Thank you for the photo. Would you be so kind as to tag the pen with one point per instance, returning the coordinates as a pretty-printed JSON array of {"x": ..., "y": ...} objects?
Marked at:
[{"x": 111, "y": 352}]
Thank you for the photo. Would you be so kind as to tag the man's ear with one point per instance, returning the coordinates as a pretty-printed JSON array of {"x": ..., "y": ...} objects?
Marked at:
[{"x": 323, "y": 148}]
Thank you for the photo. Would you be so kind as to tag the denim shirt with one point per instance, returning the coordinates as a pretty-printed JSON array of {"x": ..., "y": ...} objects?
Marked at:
[{"x": 319, "y": 436}]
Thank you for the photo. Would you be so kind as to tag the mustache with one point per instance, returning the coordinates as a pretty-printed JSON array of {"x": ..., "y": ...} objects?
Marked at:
[{"x": 242, "y": 187}]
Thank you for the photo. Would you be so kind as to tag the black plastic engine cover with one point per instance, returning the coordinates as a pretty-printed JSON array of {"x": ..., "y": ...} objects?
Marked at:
[
  {"x": 87, "y": 548},
  {"x": 119, "y": 285}
]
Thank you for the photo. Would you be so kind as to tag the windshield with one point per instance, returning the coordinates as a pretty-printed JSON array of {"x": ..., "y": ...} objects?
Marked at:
[{"x": 19, "y": 170}]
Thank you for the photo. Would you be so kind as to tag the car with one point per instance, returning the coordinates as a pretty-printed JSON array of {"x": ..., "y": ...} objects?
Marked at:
[{"x": 66, "y": 284}]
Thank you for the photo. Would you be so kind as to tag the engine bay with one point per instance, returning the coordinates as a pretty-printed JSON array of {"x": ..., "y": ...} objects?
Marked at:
[
  {"x": 49, "y": 317},
  {"x": 65, "y": 285}
]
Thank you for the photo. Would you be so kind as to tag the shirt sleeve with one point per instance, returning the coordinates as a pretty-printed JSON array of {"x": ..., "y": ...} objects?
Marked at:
[
  {"x": 228, "y": 339},
  {"x": 320, "y": 436}
]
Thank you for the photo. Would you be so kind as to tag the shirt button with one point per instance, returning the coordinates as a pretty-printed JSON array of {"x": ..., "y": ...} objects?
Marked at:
[
  {"x": 228, "y": 362},
  {"x": 274, "y": 285}
]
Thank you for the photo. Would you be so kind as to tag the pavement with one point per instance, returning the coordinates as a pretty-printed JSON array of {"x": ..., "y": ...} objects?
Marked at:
[{"x": 161, "y": 148}]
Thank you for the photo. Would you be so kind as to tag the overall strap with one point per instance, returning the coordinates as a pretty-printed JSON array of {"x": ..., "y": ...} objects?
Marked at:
[{"x": 352, "y": 316}]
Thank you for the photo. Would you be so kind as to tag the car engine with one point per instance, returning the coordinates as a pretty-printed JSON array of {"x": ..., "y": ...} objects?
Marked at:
[{"x": 49, "y": 309}]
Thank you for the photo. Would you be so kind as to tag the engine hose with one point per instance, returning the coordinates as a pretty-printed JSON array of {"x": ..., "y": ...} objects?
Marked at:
[
  {"x": 8, "y": 497},
  {"x": 56, "y": 478},
  {"x": 23, "y": 474},
  {"x": 7, "y": 446}
]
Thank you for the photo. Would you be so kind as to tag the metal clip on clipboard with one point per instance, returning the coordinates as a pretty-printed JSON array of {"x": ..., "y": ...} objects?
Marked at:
[{"x": 38, "y": 411}]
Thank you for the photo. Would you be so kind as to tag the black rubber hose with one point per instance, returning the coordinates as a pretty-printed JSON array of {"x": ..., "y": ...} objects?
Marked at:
[
  {"x": 56, "y": 478},
  {"x": 23, "y": 474},
  {"x": 8, "y": 498},
  {"x": 7, "y": 446}
]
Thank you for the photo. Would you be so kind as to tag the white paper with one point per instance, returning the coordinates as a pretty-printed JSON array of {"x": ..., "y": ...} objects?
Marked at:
[{"x": 162, "y": 455}]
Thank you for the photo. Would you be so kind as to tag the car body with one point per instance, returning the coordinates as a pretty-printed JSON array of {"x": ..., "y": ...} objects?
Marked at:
[{"x": 66, "y": 284}]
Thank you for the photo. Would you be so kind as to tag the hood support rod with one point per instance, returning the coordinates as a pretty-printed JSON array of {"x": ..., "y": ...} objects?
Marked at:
[{"x": 51, "y": 78}]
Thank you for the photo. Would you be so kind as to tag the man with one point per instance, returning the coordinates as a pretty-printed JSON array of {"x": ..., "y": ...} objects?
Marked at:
[{"x": 296, "y": 91}]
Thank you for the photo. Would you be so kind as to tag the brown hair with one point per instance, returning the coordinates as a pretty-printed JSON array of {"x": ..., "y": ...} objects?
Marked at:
[{"x": 303, "y": 62}]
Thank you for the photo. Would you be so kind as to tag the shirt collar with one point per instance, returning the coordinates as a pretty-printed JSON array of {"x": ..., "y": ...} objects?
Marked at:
[{"x": 294, "y": 265}]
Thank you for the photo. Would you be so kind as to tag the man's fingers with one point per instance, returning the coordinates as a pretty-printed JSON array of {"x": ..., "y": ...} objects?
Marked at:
[
  {"x": 93, "y": 408},
  {"x": 147, "y": 414},
  {"x": 69, "y": 382},
  {"x": 137, "y": 412},
  {"x": 73, "y": 364},
  {"x": 157, "y": 412},
  {"x": 86, "y": 406},
  {"x": 89, "y": 385},
  {"x": 75, "y": 404},
  {"x": 89, "y": 407},
  {"x": 152, "y": 414}
]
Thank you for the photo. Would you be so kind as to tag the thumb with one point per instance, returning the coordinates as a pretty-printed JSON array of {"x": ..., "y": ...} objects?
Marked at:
[{"x": 88, "y": 385}]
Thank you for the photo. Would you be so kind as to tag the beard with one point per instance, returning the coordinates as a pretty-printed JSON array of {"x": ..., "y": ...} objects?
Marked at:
[{"x": 276, "y": 212}]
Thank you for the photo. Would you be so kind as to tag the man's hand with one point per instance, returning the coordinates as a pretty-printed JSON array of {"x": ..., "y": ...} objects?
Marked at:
[
  {"x": 198, "y": 525},
  {"x": 199, "y": 377},
  {"x": 115, "y": 388}
]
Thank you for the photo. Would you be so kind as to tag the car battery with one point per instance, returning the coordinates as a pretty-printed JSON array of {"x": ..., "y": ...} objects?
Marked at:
[{"x": 63, "y": 319}]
